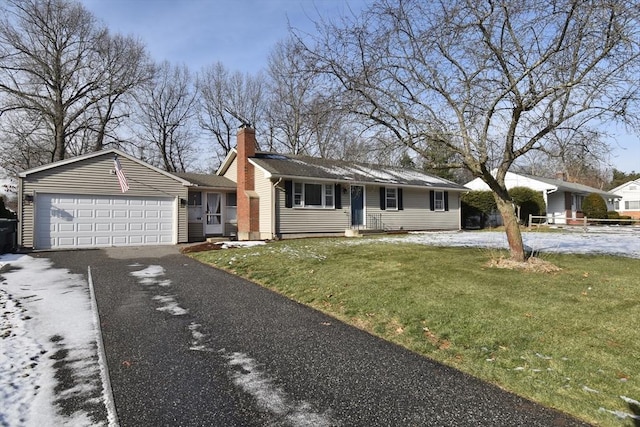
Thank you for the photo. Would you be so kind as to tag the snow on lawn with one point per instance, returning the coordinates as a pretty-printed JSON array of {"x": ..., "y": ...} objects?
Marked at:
[
  {"x": 622, "y": 244},
  {"x": 49, "y": 367}
]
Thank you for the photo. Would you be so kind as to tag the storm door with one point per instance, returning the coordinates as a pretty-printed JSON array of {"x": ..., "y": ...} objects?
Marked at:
[{"x": 214, "y": 214}]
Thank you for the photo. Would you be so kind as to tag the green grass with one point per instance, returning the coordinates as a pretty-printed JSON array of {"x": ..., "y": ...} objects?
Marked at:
[{"x": 569, "y": 340}]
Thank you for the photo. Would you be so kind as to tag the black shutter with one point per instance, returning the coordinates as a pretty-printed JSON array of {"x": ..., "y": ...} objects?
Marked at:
[
  {"x": 446, "y": 200},
  {"x": 432, "y": 200},
  {"x": 288, "y": 194},
  {"x": 400, "y": 205},
  {"x": 383, "y": 198},
  {"x": 337, "y": 196}
]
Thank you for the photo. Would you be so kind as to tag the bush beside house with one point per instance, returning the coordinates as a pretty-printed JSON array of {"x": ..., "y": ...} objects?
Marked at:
[
  {"x": 529, "y": 201},
  {"x": 594, "y": 206},
  {"x": 4, "y": 212},
  {"x": 479, "y": 206}
]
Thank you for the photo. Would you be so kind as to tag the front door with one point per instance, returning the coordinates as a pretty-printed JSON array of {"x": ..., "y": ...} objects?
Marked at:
[
  {"x": 213, "y": 221},
  {"x": 357, "y": 205}
]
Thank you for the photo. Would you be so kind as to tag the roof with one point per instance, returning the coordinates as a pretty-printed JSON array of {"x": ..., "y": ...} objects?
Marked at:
[
  {"x": 626, "y": 184},
  {"x": 571, "y": 186},
  {"x": 303, "y": 167},
  {"x": 93, "y": 154},
  {"x": 207, "y": 180}
]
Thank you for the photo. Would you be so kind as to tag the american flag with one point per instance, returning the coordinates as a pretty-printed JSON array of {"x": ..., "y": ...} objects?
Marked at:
[{"x": 122, "y": 179}]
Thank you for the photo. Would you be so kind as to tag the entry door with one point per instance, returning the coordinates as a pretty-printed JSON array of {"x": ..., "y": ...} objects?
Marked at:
[
  {"x": 357, "y": 205},
  {"x": 214, "y": 214}
]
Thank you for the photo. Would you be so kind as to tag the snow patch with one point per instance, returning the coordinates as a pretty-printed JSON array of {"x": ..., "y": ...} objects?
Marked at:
[
  {"x": 48, "y": 357},
  {"x": 248, "y": 375},
  {"x": 170, "y": 305}
]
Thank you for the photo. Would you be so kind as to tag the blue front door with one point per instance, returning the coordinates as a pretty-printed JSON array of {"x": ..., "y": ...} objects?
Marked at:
[{"x": 357, "y": 205}]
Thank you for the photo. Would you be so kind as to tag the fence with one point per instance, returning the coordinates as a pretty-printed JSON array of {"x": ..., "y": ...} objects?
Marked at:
[
  {"x": 373, "y": 222},
  {"x": 584, "y": 222}
]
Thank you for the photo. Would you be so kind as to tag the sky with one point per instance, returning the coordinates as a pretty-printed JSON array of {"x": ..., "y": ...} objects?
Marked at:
[{"x": 241, "y": 33}]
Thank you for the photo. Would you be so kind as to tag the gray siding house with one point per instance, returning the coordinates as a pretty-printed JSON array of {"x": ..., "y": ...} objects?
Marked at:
[
  {"x": 110, "y": 198},
  {"x": 301, "y": 196},
  {"x": 79, "y": 203}
]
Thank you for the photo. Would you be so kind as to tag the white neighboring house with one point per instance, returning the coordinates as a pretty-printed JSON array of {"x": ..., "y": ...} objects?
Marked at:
[
  {"x": 629, "y": 202},
  {"x": 562, "y": 198}
]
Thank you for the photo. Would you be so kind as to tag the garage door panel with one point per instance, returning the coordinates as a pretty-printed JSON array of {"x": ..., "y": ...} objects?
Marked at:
[
  {"x": 83, "y": 228},
  {"x": 65, "y": 221},
  {"x": 101, "y": 227}
]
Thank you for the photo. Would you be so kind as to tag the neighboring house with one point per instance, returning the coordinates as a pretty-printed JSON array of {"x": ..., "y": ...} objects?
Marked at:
[
  {"x": 80, "y": 202},
  {"x": 563, "y": 199},
  {"x": 629, "y": 202}
]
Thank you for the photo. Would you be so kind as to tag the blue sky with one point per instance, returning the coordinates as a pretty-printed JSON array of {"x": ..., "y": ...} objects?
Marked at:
[
  {"x": 238, "y": 33},
  {"x": 241, "y": 33}
]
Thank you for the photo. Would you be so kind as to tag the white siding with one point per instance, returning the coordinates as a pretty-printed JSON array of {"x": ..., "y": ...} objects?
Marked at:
[{"x": 264, "y": 187}]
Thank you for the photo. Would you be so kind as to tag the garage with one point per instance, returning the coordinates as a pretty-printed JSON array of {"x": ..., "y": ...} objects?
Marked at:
[
  {"x": 101, "y": 199},
  {"x": 66, "y": 221}
]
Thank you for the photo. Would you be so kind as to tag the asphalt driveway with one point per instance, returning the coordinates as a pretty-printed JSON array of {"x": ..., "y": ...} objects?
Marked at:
[{"x": 189, "y": 345}]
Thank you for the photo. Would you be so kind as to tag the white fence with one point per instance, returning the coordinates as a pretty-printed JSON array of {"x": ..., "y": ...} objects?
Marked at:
[{"x": 580, "y": 222}]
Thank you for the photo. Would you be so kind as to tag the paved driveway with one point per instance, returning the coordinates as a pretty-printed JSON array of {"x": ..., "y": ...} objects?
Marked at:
[{"x": 190, "y": 345}]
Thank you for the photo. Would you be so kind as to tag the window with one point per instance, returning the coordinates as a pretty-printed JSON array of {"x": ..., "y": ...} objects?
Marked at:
[
  {"x": 438, "y": 200},
  {"x": 632, "y": 205},
  {"x": 231, "y": 210},
  {"x": 391, "y": 198},
  {"x": 195, "y": 199},
  {"x": 311, "y": 195}
]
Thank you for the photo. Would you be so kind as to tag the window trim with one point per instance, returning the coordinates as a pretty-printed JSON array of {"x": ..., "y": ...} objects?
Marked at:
[
  {"x": 299, "y": 195},
  {"x": 435, "y": 201},
  {"x": 394, "y": 198}
]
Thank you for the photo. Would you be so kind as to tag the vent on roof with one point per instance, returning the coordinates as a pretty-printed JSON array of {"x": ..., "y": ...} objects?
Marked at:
[{"x": 272, "y": 156}]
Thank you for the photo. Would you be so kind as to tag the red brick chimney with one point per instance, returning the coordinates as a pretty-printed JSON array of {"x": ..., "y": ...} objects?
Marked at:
[{"x": 248, "y": 202}]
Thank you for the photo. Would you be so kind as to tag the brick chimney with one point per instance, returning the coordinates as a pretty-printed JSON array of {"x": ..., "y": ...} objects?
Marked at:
[{"x": 248, "y": 202}]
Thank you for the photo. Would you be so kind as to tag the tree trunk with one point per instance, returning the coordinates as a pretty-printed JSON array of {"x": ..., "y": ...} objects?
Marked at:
[{"x": 512, "y": 228}]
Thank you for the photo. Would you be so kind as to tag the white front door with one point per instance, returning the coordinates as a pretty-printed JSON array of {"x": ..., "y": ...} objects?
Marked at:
[{"x": 213, "y": 220}]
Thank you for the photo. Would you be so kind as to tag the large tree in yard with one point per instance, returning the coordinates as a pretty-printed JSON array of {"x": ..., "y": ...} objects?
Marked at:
[
  {"x": 65, "y": 74},
  {"x": 489, "y": 80}
]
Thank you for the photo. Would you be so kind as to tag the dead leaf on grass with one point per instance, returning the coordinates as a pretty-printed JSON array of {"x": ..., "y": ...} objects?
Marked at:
[{"x": 531, "y": 265}]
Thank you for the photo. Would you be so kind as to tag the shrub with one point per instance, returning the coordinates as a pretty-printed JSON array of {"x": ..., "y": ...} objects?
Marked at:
[
  {"x": 477, "y": 204},
  {"x": 613, "y": 215},
  {"x": 530, "y": 201},
  {"x": 594, "y": 206},
  {"x": 4, "y": 212}
]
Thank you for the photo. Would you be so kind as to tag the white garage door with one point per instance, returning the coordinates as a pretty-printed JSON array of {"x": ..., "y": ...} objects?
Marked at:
[{"x": 78, "y": 221}]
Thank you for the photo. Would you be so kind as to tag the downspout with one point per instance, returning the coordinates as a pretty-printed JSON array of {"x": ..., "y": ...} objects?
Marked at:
[{"x": 274, "y": 211}]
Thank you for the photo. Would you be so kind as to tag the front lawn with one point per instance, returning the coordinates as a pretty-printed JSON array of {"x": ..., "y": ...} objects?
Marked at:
[{"x": 569, "y": 340}]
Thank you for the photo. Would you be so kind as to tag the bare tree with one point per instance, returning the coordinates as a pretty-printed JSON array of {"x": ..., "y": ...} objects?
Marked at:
[
  {"x": 490, "y": 80},
  {"x": 304, "y": 116},
  {"x": 58, "y": 62},
  {"x": 224, "y": 97},
  {"x": 166, "y": 108}
]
